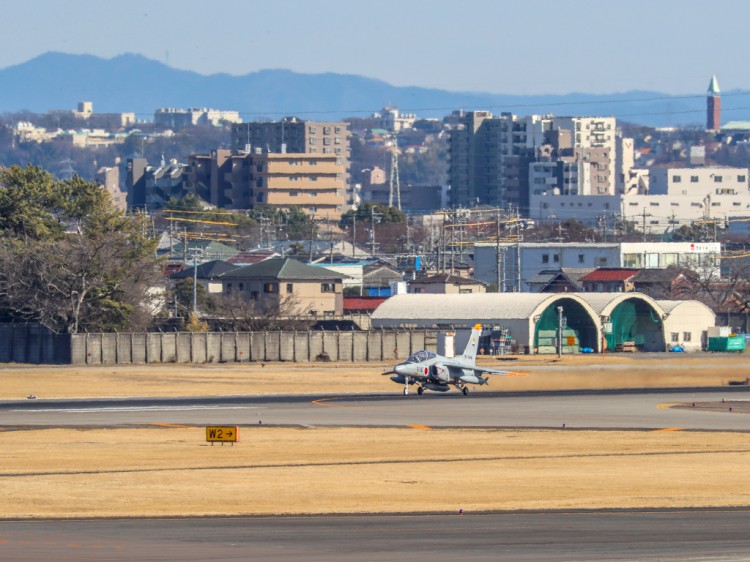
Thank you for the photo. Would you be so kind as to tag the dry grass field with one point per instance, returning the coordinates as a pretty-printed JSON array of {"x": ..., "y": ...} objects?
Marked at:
[
  {"x": 161, "y": 471},
  {"x": 172, "y": 471},
  {"x": 544, "y": 373}
]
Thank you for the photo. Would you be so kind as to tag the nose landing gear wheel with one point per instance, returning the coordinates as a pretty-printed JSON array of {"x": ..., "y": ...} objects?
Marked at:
[
  {"x": 420, "y": 390},
  {"x": 406, "y": 391},
  {"x": 465, "y": 390}
]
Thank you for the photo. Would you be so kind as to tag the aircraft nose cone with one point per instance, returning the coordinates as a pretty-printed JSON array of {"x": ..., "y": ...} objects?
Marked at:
[{"x": 403, "y": 369}]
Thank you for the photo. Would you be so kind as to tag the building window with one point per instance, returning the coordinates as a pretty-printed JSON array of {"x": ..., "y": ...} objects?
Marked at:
[
  {"x": 741, "y": 179},
  {"x": 270, "y": 287},
  {"x": 581, "y": 258},
  {"x": 676, "y": 179},
  {"x": 693, "y": 179},
  {"x": 675, "y": 336},
  {"x": 254, "y": 295},
  {"x": 289, "y": 288},
  {"x": 718, "y": 179},
  {"x": 686, "y": 336},
  {"x": 556, "y": 258},
  {"x": 600, "y": 262},
  {"x": 464, "y": 291},
  {"x": 228, "y": 288},
  {"x": 545, "y": 258},
  {"x": 312, "y": 140},
  {"x": 327, "y": 287}
]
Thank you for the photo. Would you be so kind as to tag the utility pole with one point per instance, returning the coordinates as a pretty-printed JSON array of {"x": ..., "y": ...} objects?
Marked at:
[
  {"x": 518, "y": 251},
  {"x": 644, "y": 224},
  {"x": 354, "y": 234},
  {"x": 497, "y": 247},
  {"x": 312, "y": 236},
  {"x": 559, "y": 331}
]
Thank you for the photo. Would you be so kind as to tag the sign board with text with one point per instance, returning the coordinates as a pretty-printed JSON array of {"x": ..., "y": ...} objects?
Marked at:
[{"x": 222, "y": 433}]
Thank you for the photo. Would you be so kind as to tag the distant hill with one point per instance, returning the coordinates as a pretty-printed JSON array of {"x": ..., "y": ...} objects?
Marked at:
[{"x": 134, "y": 83}]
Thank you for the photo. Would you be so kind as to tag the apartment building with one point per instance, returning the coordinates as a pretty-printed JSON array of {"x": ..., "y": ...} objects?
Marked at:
[
  {"x": 293, "y": 135},
  {"x": 669, "y": 198},
  {"x": 314, "y": 182},
  {"x": 178, "y": 118},
  {"x": 493, "y": 158}
]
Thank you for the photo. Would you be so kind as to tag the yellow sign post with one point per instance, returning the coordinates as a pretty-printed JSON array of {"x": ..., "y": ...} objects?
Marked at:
[{"x": 222, "y": 434}]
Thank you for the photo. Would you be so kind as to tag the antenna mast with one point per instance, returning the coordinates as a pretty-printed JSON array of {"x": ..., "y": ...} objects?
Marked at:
[{"x": 395, "y": 185}]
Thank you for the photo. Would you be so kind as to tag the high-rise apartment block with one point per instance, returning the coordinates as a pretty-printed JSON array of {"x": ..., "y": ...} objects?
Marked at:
[{"x": 492, "y": 157}]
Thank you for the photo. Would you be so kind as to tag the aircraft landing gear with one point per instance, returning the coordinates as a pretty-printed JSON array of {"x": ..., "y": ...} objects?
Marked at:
[
  {"x": 420, "y": 390},
  {"x": 465, "y": 390},
  {"x": 406, "y": 386}
]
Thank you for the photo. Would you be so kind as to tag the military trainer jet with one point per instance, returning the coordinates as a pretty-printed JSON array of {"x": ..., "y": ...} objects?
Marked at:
[{"x": 435, "y": 372}]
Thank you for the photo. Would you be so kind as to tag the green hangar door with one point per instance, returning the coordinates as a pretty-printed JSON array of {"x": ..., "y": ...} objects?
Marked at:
[
  {"x": 634, "y": 322},
  {"x": 578, "y": 328}
]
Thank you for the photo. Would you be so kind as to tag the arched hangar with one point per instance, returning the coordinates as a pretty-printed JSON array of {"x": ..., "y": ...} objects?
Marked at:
[{"x": 589, "y": 320}]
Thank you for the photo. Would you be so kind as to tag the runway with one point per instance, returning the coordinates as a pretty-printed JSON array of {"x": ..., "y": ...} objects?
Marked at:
[
  {"x": 683, "y": 535},
  {"x": 723, "y": 409},
  {"x": 703, "y": 534}
]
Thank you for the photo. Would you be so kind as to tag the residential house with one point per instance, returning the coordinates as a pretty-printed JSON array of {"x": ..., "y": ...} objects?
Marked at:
[
  {"x": 207, "y": 273},
  {"x": 671, "y": 283},
  {"x": 445, "y": 283},
  {"x": 565, "y": 280},
  {"x": 288, "y": 287},
  {"x": 609, "y": 280}
]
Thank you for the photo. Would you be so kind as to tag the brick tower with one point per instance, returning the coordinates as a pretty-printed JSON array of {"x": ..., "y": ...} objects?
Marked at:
[{"x": 713, "y": 106}]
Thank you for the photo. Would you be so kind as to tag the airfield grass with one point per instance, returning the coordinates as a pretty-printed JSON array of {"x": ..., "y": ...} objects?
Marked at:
[
  {"x": 543, "y": 373},
  {"x": 171, "y": 471}
]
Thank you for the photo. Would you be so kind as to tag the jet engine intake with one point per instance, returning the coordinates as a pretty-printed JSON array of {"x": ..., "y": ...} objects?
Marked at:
[{"x": 440, "y": 373}]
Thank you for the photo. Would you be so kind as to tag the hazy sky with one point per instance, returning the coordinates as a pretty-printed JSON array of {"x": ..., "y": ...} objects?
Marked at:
[{"x": 515, "y": 47}]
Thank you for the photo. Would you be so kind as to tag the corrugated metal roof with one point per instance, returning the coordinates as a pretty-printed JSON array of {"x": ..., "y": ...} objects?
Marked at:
[{"x": 476, "y": 306}]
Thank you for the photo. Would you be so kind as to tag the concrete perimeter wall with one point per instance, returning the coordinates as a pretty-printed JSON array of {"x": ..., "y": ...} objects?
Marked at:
[{"x": 236, "y": 347}]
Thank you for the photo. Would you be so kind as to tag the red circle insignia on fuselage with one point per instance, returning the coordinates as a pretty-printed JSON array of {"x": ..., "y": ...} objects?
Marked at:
[{"x": 426, "y": 370}]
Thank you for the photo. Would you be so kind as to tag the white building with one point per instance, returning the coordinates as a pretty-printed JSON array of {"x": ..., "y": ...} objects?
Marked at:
[
  {"x": 535, "y": 256},
  {"x": 660, "y": 201}
]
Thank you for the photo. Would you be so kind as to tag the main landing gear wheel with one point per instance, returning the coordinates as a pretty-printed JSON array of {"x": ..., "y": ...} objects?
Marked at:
[
  {"x": 420, "y": 390},
  {"x": 465, "y": 390}
]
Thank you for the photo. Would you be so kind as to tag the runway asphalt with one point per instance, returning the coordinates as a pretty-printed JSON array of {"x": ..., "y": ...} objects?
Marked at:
[
  {"x": 684, "y": 535},
  {"x": 583, "y": 535},
  {"x": 721, "y": 409}
]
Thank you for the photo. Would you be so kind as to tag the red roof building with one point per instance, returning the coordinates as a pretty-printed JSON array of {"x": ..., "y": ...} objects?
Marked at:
[
  {"x": 362, "y": 305},
  {"x": 609, "y": 280}
]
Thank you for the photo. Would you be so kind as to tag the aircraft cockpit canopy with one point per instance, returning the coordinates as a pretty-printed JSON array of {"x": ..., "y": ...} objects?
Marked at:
[{"x": 420, "y": 356}]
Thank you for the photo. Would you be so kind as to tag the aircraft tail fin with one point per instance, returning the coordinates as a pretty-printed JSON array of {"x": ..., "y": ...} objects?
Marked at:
[{"x": 470, "y": 353}]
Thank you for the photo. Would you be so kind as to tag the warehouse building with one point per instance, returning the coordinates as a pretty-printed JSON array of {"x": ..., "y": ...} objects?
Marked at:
[{"x": 530, "y": 322}]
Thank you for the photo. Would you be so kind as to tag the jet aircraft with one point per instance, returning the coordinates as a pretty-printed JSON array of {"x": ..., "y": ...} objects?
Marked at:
[{"x": 435, "y": 372}]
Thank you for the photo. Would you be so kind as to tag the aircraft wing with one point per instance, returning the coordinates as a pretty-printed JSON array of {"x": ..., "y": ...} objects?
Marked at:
[{"x": 480, "y": 370}]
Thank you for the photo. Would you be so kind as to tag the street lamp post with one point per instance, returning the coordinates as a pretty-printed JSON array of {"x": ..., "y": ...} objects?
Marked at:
[{"x": 559, "y": 330}]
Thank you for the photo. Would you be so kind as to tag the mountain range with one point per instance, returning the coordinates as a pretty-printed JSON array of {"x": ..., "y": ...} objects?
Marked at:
[{"x": 133, "y": 83}]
